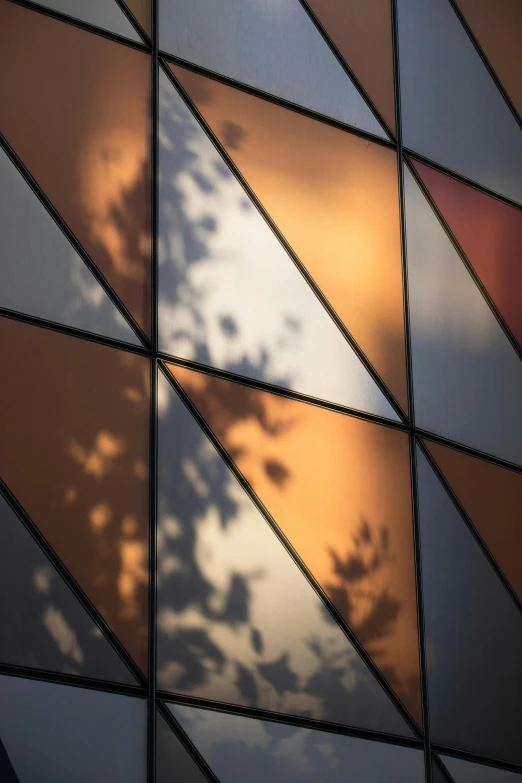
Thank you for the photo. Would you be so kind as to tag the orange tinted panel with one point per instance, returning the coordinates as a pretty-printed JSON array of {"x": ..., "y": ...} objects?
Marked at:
[
  {"x": 497, "y": 25},
  {"x": 492, "y": 498},
  {"x": 67, "y": 110},
  {"x": 362, "y": 31},
  {"x": 74, "y": 421},
  {"x": 339, "y": 488},
  {"x": 490, "y": 234},
  {"x": 334, "y": 197}
]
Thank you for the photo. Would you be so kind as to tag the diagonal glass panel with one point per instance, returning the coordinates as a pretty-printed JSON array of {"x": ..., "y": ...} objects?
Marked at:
[
  {"x": 497, "y": 27},
  {"x": 101, "y": 13},
  {"x": 239, "y": 749},
  {"x": 490, "y": 234},
  {"x": 362, "y": 31},
  {"x": 467, "y": 377},
  {"x": 492, "y": 498},
  {"x": 237, "y": 621},
  {"x": 74, "y": 418},
  {"x": 173, "y": 761},
  {"x": 339, "y": 489},
  {"x": 473, "y": 633},
  {"x": 452, "y": 111},
  {"x": 464, "y": 771},
  {"x": 274, "y": 47},
  {"x": 229, "y": 295},
  {"x": 333, "y": 196},
  {"x": 85, "y": 138},
  {"x": 43, "y": 623},
  {"x": 41, "y": 274}
]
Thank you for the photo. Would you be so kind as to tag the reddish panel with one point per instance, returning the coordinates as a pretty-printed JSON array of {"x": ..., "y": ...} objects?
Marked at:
[
  {"x": 497, "y": 25},
  {"x": 362, "y": 31},
  {"x": 74, "y": 418},
  {"x": 67, "y": 111},
  {"x": 339, "y": 488},
  {"x": 333, "y": 195},
  {"x": 492, "y": 498},
  {"x": 490, "y": 234}
]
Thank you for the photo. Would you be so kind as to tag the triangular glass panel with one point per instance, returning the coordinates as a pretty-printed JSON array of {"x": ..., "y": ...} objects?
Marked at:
[
  {"x": 85, "y": 138},
  {"x": 464, "y": 771},
  {"x": 339, "y": 489},
  {"x": 473, "y": 633},
  {"x": 41, "y": 273},
  {"x": 61, "y": 733},
  {"x": 229, "y": 295},
  {"x": 452, "y": 111},
  {"x": 101, "y": 13},
  {"x": 223, "y": 631},
  {"x": 467, "y": 377},
  {"x": 74, "y": 418},
  {"x": 492, "y": 498},
  {"x": 239, "y": 749},
  {"x": 489, "y": 232},
  {"x": 7, "y": 773},
  {"x": 334, "y": 198},
  {"x": 497, "y": 27},
  {"x": 437, "y": 776},
  {"x": 173, "y": 761},
  {"x": 43, "y": 623},
  {"x": 362, "y": 32},
  {"x": 233, "y": 38},
  {"x": 142, "y": 11}
]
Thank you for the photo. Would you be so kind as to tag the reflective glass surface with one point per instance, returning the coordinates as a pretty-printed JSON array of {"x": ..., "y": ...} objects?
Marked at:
[{"x": 333, "y": 196}]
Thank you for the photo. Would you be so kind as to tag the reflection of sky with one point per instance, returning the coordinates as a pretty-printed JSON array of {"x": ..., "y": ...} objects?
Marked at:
[
  {"x": 237, "y": 621},
  {"x": 41, "y": 272},
  {"x": 242, "y": 749},
  {"x": 301, "y": 68},
  {"x": 60, "y": 733},
  {"x": 467, "y": 376},
  {"x": 229, "y": 294},
  {"x": 43, "y": 624},
  {"x": 467, "y": 772}
]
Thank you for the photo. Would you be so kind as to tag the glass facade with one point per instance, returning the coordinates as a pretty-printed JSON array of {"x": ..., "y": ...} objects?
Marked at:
[{"x": 261, "y": 400}]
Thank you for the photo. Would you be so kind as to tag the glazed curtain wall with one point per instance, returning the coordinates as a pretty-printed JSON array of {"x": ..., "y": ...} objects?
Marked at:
[{"x": 261, "y": 399}]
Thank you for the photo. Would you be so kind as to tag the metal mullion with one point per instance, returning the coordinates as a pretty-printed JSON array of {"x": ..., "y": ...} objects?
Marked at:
[
  {"x": 72, "y": 680},
  {"x": 460, "y": 178},
  {"x": 411, "y": 400},
  {"x": 90, "y": 28},
  {"x": 290, "y": 394},
  {"x": 436, "y": 762},
  {"x": 285, "y": 719},
  {"x": 78, "y": 247},
  {"x": 472, "y": 452},
  {"x": 489, "y": 67},
  {"x": 467, "y": 263},
  {"x": 71, "y": 582},
  {"x": 471, "y": 526},
  {"x": 153, "y": 467},
  {"x": 346, "y": 67},
  {"x": 341, "y": 622},
  {"x": 291, "y": 253},
  {"x": 266, "y": 96},
  {"x": 187, "y": 743}
]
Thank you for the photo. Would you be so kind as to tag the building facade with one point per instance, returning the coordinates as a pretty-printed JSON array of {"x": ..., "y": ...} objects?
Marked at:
[{"x": 261, "y": 400}]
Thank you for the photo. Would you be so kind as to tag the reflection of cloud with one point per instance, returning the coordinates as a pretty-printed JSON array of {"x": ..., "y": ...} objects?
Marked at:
[
  {"x": 62, "y": 634},
  {"x": 244, "y": 749}
]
